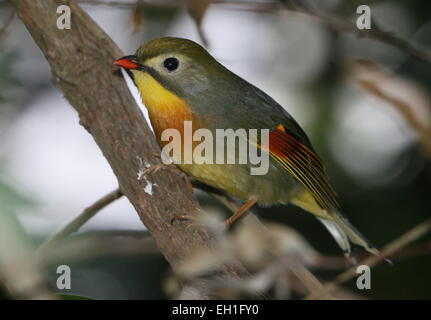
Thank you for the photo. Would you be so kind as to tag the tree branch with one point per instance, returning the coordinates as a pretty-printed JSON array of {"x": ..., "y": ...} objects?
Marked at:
[
  {"x": 81, "y": 64},
  {"x": 389, "y": 250}
]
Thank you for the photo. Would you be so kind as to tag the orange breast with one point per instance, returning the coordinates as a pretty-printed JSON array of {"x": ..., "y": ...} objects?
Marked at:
[{"x": 166, "y": 110}]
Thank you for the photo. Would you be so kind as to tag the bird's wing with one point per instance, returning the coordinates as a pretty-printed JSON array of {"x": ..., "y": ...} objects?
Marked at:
[
  {"x": 289, "y": 146},
  {"x": 288, "y": 143},
  {"x": 301, "y": 162}
]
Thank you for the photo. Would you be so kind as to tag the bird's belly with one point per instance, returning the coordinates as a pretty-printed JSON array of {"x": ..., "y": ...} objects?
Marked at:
[{"x": 274, "y": 187}]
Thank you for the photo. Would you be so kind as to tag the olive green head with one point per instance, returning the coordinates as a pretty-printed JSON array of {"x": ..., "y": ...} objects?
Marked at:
[
  {"x": 173, "y": 47},
  {"x": 180, "y": 65}
]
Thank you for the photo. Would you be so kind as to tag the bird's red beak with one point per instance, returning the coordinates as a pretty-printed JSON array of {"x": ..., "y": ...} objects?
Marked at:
[{"x": 127, "y": 62}]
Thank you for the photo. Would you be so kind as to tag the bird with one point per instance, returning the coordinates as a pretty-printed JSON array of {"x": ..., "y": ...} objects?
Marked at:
[{"x": 180, "y": 81}]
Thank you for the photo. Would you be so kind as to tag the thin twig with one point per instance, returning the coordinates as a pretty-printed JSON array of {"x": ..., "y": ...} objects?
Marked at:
[
  {"x": 90, "y": 245},
  {"x": 405, "y": 109},
  {"x": 76, "y": 223},
  {"x": 375, "y": 80},
  {"x": 415, "y": 251},
  {"x": 314, "y": 286},
  {"x": 274, "y": 7},
  {"x": 386, "y": 37},
  {"x": 388, "y": 251}
]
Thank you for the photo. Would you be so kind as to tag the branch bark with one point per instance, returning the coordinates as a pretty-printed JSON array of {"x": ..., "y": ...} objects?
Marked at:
[{"x": 81, "y": 64}]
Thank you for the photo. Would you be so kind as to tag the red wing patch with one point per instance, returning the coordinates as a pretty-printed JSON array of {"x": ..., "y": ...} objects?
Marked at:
[{"x": 303, "y": 164}]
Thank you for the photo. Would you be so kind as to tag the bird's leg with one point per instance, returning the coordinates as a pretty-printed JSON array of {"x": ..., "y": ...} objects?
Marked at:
[{"x": 247, "y": 205}]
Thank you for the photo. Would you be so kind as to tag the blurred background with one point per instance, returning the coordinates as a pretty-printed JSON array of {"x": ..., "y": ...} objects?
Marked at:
[{"x": 364, "y": 103}]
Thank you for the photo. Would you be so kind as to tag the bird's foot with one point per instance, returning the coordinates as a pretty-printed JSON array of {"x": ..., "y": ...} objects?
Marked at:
[
  {"x": 157, "y": 167},
  {"x": 182, "y": 217}
]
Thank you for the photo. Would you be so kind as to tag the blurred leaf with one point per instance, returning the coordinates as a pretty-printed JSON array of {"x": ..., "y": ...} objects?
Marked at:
[
  {"x": 137, "y": 17},
  {"x": 197, "y": 9},
  {"x": 20, "y": 274},
  {"x": 7, "y": 78},
  {"x": 5, "y": 25},
  {"x": 164, "y": 15},
  {"x": 11, "y": 196},
  {"x": 156, "y": 20}
]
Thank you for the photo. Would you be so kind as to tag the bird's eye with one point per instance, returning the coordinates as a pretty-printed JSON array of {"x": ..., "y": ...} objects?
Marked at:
[{"x": 171, "y": 64}]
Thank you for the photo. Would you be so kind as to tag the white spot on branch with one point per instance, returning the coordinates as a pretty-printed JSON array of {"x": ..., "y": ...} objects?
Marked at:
[
  {"x": 140, "y": 175},
  {"x": 149, "y": 187}
]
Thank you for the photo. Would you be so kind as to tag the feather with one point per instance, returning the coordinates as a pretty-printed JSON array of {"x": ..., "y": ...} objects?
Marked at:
[{"x": 302, "y": 163}]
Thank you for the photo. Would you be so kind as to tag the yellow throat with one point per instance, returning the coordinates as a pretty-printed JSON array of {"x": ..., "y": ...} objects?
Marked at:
[{"x": 166, "y": 110}]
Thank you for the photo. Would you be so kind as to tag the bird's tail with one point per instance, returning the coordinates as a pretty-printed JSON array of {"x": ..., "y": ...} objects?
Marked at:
[{"x": 346, "y": 235}]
